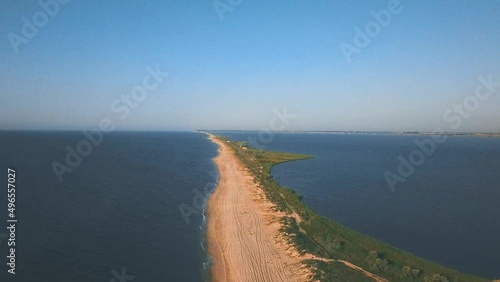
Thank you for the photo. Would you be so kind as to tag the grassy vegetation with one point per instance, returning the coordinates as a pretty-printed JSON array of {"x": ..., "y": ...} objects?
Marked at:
[
  {"x": 328, "y": 239},
  {"x": 335, "y": 271}
]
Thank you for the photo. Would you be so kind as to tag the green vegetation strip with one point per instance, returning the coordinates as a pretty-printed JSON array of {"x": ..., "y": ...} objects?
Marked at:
[{"x": 328, "y": 239}]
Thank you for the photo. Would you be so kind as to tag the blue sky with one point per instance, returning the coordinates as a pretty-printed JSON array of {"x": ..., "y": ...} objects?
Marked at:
[{"x": 263, "y": 55}]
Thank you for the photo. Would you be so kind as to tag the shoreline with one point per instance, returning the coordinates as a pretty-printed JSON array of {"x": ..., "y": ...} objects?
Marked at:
[{"x": 243, "y": 229}]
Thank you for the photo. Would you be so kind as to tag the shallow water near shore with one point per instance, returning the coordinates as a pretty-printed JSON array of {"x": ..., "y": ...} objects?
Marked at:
[{"x": 446, "y": 211}]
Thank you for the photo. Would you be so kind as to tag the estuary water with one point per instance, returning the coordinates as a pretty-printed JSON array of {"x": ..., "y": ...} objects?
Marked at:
[{"x": 447, "y": 211}]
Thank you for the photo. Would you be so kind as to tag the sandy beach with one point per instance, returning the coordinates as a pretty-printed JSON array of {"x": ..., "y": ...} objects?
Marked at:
[{"x": 243, "y": 237}]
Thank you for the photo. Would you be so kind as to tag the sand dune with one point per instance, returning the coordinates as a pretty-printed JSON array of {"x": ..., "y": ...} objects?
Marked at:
[{"x": 243, "y": 230}]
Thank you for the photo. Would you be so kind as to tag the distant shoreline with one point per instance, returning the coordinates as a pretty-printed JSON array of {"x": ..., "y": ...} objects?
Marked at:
[{"x": 354, "y": 132}]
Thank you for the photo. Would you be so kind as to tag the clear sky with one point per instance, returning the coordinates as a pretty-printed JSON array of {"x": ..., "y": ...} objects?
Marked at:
[{"x": 231, "y": 73}]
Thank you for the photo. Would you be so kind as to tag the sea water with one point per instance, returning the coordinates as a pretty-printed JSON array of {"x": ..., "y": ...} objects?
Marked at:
[{"x": 116, "y": 215}]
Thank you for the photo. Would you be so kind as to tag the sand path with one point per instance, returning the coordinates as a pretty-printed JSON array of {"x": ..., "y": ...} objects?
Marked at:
[{"x": 242, "y": 230}]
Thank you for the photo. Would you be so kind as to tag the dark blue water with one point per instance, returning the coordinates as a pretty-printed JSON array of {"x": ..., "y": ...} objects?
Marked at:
[
  {"x": 447, "y": 211},
  {"x": 118, "y": 210}
]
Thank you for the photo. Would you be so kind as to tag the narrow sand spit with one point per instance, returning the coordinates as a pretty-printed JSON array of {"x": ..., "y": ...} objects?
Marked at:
[
  {"x": 243, "y": 231},
  {"x": 243, "y": 238}
]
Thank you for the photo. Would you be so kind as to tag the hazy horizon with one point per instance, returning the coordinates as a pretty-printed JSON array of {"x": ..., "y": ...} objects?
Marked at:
[{"x": 235, "y": 71}]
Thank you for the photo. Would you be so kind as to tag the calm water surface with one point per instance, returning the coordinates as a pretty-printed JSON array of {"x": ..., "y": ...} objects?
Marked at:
[{"x": 117, "y": 210}]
